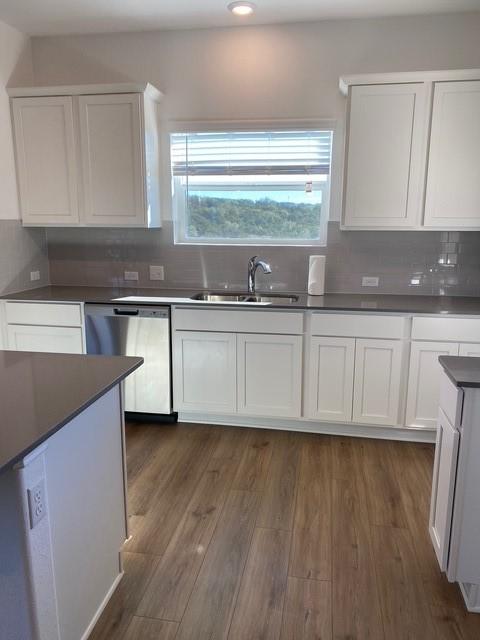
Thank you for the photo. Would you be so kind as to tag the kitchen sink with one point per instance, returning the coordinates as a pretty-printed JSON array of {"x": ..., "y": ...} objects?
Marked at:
[
  {"x": 271, "y": 298},
  {"x": 220, "y": 297}
]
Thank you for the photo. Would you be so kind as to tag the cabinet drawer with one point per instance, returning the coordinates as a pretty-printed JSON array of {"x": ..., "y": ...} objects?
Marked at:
[
  {"x": 43, "y": 313},
  {"x": 244, "y": 321},
  {"x": 358, "y": 325},
  {"x": 27, "y": 337},
  {"x": 451, "y": 400},
  {"x": 454, "y": 329}
]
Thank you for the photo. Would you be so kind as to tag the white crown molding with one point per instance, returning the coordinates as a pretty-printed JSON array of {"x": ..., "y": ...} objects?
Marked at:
[{"x": 407, "y": 76}]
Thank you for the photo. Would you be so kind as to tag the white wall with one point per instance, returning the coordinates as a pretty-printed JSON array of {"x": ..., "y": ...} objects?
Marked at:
[
  {"x": 15, "y": 66},
  {"x": 280, "y": 71}
]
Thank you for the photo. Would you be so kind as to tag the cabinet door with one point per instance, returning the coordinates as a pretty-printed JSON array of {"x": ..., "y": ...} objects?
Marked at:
[
  {"x": 23, "y": 337},
  {"x": 424, "y": 382},
  {"x": 443, "y": 487},
  {"x": 204, "y": 371},
  {"x": 45, "y": 152},
  {"x": 453, "y": 183},
  {"x": 378, "y": 369},
  {"x": 386, "y": 155},
  {"x": 469, "y": 349},
  {"x": 269, "y": 375},
  {"x": 112, "y": 159},
  {"x": 330, "y": 379}
]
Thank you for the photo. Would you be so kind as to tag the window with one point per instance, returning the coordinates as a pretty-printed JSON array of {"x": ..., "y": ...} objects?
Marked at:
[{"x": 251, "y": 187}]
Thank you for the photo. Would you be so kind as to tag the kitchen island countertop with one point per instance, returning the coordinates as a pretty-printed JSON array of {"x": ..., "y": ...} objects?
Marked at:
[
  {"x": 41, "y": 392},
  {"x": 462, "y": 371}
]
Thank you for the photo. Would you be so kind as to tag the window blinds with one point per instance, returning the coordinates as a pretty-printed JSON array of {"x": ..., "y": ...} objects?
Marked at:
[{"x": 251, "y": 153}]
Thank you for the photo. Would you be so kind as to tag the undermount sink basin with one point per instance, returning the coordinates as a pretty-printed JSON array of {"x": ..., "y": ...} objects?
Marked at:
[
  {"x": 220, "y": 297},
  {"x": 272, "y": 298},
  {"x": 244, "y": 297}
]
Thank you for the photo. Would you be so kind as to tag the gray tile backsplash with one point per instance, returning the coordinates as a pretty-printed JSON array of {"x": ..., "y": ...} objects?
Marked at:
[
  {"x": 427, "y": 262},
  {"x": 22, "y": 250}
]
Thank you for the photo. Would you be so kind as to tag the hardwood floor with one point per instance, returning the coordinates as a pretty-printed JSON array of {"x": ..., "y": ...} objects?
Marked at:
[{"x": 241, "y": 534}]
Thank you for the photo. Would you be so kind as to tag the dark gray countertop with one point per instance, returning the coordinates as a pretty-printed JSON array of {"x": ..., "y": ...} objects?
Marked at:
[
  {"x": 41, "y": 392},
  {"x": 331, "y": 301},
  {"x": 462, "y": 371}
]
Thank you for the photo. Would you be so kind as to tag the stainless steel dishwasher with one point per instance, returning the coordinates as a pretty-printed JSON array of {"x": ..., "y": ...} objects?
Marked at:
[{"x": 144, "y": 331}]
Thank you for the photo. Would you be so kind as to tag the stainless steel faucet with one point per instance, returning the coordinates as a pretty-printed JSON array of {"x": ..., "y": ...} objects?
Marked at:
[{"x": 253, "y": 265}]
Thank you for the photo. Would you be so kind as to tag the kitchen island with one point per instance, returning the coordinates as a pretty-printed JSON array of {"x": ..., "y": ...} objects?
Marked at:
[
  {"x": 62, "y": 491},
  {"x": 455, "y": 505}
]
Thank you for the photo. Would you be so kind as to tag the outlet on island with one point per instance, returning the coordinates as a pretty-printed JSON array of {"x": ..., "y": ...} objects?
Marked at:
[{"x": 37, "y": 506}]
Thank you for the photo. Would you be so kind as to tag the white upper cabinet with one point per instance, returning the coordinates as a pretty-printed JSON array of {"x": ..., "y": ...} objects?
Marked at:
[
  {"x": 412, "y": 150},
  {"x": 453, "y": 184},
  {"x": 385, "y": 162},
  {"x": 46, "y": 165},
  {"x": 90, "y": 158},
  {"x": 111, "y": 150}
]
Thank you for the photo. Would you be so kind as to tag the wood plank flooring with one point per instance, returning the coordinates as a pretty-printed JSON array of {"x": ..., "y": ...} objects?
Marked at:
[{"x": 242, "y": 534}]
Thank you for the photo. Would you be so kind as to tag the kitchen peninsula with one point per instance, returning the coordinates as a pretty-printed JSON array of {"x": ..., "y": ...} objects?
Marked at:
[{"x": 62, "y": 491}]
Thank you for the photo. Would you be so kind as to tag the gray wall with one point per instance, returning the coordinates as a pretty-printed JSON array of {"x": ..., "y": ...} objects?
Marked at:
[
  {"x": 443, "y": 263},
  {"x": 22, "y": 250}
]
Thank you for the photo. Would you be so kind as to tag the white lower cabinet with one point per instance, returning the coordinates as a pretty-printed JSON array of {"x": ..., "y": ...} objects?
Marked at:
[
  {"x": 424, "y": 382},
  {"x": 269, "y": 375},
  {"x": 255, "y": 374},
  {"x": 204, "y": 372},
  {"x": 443, "y": 487},
  {"x": 46, "y": 339},
  {"x": 377, "y": 383},
  {"x": 354, "y": 379},
  {"x": 330, "y": 378},
  {"x": 469, "y": 350},
  {"x": 51, "y": 327}
]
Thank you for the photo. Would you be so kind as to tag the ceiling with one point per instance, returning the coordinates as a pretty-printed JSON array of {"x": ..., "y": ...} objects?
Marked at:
[{"x": 52, "y": 17}]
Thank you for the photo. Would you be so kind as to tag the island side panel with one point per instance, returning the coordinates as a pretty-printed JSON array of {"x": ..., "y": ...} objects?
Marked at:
[
  {"x": 464, "y": 561},
  {"x": 85, "y": 482},
  {"x": 17, "y": 615}
]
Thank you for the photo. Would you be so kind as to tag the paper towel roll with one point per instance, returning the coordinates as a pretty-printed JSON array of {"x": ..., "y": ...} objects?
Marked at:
[{"x": 316, "y": 276}]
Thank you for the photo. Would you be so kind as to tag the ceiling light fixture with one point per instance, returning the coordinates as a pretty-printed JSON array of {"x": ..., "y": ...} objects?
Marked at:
[{"x": 241, "y": 8}]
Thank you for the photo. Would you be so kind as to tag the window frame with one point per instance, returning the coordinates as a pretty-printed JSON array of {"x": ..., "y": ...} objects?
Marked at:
[{"x": 179, "y": 218}]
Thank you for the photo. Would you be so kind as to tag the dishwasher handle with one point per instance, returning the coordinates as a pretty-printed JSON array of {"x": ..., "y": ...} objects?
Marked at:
[{"x": 125, "y": 312}]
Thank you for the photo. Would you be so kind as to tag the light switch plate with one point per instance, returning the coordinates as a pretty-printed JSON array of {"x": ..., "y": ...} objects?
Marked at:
[
  {"x": 37, "y": 506},
  {"x": 370, "y": 281},
  {"x": 130, "y": 275},
  {"x": 157, "y": 272},
  {"x": 34, "y": 275}
]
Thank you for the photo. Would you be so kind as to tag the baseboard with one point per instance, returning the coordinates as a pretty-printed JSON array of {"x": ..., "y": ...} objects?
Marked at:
[
  {"x": 408, "y": 434},
  {"x": 102, "y": 606},
  {"x": 471, "y": 595}
]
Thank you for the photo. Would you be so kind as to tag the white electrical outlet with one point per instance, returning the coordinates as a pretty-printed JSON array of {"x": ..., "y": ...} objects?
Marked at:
[
  {"x": 157, "y": 272},
  {"x": 130, "y": 275},
  {"x": 36, "y": 503},
  {"x": 370, "y": 281},
  {"x": 34, "y": 275}
]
